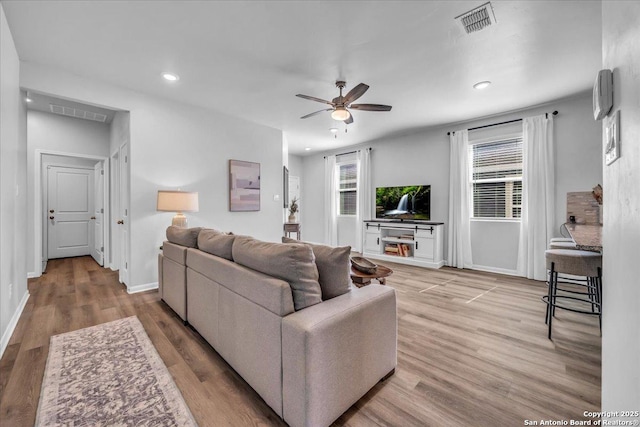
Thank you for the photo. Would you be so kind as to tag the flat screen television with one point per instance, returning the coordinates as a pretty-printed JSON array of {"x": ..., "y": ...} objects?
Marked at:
[{"x": 411, "y": 202}]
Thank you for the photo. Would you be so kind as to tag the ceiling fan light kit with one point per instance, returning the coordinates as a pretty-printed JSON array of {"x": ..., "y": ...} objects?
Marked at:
[
  {"x": 341, "y": 104},
  {"x": 340, "y": 114}
]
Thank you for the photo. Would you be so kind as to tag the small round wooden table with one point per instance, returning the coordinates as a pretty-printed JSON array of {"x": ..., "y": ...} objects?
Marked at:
[{"x": 361, "y": 279}]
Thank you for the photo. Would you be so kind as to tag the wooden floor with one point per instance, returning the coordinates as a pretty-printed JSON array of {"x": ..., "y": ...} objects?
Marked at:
[{"x": 472, "y": 350}]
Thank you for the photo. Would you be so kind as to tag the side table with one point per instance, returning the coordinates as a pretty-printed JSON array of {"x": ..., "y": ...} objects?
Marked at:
[{"x": 292, "y": 227}]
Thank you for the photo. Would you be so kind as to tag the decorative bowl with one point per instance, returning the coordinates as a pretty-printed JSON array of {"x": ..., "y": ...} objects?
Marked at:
[{"x": 363, "y": 264}]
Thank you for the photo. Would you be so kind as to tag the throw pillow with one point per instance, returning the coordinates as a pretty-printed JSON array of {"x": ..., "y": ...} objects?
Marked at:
[
  {"x": 216, "y": 243},
  {"x": 334, "y": 268},
  {"x": 183, "y": 236},
  {"x": 292, "y": 263}
]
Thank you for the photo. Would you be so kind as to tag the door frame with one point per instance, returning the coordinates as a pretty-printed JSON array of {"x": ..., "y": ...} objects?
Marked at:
[{"x": 39, "y": 209}]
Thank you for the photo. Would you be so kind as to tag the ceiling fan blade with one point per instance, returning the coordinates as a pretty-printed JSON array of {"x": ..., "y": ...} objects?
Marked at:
[
  {"x": 349, "y": 120},
  {"x": 355, "y": 93},
  {"x": 317, "y": 112},
  {"x": 370, "y": 107},
  {"x": 313, "y": 98}
]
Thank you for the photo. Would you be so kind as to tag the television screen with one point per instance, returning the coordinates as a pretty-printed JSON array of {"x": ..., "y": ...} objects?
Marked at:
[{"x": 413, "y": 202}]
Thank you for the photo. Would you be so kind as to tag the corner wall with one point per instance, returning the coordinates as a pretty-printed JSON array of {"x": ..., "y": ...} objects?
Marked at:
[
  {"x": 52, "y": 132},
  {"x": 175, "y": 146},
  {"x": 621, "y": 232},
  {"x": 13, "y": 187},
  {"x": 423, "y": 158}
]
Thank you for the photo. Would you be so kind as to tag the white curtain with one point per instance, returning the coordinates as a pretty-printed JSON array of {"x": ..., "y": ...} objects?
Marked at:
[
  {"x": 330, "y": 209},
  {"x": 459, "y": 234},
  {"x": 364, "y": 205},
  {"x": 538, "y": 183}
]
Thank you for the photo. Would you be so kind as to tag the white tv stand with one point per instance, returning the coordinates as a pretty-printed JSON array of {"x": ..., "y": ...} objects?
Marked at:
[{"x": 424, "y": 241}]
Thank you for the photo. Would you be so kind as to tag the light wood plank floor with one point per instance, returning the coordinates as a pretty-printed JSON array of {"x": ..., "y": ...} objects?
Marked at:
[{"x": 472, "y": 350}]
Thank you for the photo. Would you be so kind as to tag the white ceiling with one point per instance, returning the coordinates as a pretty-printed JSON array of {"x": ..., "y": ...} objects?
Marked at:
[{"x": 249, "y": 59}]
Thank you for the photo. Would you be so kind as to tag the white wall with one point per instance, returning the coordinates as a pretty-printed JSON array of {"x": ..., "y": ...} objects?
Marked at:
[
  {"x": 407, "y": 160},
  {"x": 621, "y": 233},
  {"x": 13, "y": 187},
  {"x": 176, "y": 145},
  {"x": 423, "y": 158},
  {"x": 295, "y": 165},
  {"x": 577, "y": 168},
  {"x": 53, "y": 132}
]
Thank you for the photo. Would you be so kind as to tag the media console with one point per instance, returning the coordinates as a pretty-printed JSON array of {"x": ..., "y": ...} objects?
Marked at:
[{"x": 410, "y": 242}]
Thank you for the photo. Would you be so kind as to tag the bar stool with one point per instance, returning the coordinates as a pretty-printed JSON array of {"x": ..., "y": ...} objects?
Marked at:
[{"x": 577, "y": 263}]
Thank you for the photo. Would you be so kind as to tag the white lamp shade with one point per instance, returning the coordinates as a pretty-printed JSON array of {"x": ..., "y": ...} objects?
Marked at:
[{"x": 177, "y": 201}]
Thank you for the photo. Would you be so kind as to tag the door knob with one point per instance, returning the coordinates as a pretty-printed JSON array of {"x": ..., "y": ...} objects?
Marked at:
[
  {"x": 51, "y": 211},
  {"x": 120, "y": 221},
  {"x": 52, "y": 217},
  {"x": 93, "y": 217}
]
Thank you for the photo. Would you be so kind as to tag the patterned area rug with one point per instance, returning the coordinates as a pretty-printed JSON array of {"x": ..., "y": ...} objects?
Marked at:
[{"x": 109, "y": 375}]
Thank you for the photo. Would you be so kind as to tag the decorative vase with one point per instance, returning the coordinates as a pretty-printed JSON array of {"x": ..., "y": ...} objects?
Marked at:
[{"x": 292, "y": 218}]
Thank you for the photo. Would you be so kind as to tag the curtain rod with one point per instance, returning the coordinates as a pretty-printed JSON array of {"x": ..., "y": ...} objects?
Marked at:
[
  {"x": 351, "y": 152},
  {"x": 555, "y": 113}
]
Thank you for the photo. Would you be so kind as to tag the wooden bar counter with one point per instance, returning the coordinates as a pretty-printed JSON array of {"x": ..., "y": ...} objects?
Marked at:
[{"x": 587, "y": 237}]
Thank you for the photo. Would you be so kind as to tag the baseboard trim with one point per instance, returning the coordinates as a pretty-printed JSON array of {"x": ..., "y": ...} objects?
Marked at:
[
  {"x": 32, "y": 275},
  {"x": 142, "y": 288},
  {"x": 497, "y": 270},
  {"x": 4, "y": 342}
]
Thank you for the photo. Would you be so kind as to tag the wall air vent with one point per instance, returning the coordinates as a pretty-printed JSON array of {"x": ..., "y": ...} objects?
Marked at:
[
  {"x": 77, "y": 113},
  {"x": 477, "y": 19}
]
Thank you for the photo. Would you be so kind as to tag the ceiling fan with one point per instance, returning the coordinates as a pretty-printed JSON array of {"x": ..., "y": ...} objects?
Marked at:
[{"x": 340, "y": 104}]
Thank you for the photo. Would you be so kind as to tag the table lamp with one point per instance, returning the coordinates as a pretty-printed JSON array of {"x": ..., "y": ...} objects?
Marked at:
[{"x": 179, "y": 202}]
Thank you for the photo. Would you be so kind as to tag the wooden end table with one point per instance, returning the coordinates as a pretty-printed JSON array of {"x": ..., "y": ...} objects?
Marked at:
[
  {"x": 292, "y": 227},
  {"x": 361, "y": 279}
]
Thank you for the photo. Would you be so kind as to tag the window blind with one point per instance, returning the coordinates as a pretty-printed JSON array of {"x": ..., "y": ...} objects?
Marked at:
[
  {"x": 347, "y": 193},
  {"x": 496, "y": 178}
]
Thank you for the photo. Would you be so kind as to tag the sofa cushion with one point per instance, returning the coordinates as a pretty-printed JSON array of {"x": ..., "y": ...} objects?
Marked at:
[
  {"x": 264, "y": 290},
  {"x": 183, "y": 236},
  {"x": 333, "y": 268},
  {"x": 216, "y": 243},
  {"x": 293, "y": 263}
]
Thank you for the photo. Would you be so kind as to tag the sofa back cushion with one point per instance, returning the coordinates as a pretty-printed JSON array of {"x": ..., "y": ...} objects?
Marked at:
[
  {"x": 216, "y": 243},
  {"x": 334, "y": 268},
  {"x": 183, "y": 236},
  {"x": 293, "y": 263}
]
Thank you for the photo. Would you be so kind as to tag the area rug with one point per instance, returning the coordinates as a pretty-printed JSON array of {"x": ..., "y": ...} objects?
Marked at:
[{"x": 109, "y": 375}]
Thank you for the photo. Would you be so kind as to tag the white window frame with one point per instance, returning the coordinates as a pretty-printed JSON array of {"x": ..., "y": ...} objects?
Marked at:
[
  {"x": 509, "y": 180},
  {"x": 341, "y": 190}
]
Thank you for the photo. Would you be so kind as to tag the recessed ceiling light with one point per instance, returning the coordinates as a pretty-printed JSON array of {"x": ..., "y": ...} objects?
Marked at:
[
  {"x": 170, "y": 77},
  {"x": 307, "y": 149},
  {"x": 333, "y": 130},
  {"x": 482, "y": 85},
  {"x": 28, "y": 99}
]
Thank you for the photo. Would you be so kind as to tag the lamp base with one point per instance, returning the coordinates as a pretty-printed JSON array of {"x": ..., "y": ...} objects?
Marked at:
[{"x": 179, "y": 220}]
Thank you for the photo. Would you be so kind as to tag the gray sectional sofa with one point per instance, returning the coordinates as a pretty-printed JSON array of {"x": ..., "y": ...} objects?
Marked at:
[{"x": 285, "y": 317}]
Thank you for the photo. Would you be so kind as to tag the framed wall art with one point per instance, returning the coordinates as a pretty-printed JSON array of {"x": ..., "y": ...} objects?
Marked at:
[
  {"x": 285, "y": 186},
  {"x": 244, "y": 186},
  {"x": 612, "y": 137}
]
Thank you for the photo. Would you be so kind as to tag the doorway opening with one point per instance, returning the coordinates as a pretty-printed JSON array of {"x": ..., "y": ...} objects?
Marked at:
[{"x": 72, "y": 206}]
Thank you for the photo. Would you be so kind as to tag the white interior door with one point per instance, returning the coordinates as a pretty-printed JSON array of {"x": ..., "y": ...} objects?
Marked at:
[
  {"x": 97, "y": 250},
  {"x": 114, "y": 212},
  {"x": 123, "y": 221},
  {"x": 69, "y": 209}
]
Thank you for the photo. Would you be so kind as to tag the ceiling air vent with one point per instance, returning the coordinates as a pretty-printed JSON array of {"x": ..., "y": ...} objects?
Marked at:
[
  {"x": 477, "y": 19},
  {"x": 77, "y": 113}
]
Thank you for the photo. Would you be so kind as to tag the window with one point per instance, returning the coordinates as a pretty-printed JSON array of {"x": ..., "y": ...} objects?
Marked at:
[
  {"x": 496, "y": 178},
  {"x": 347, "y": 193}
]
